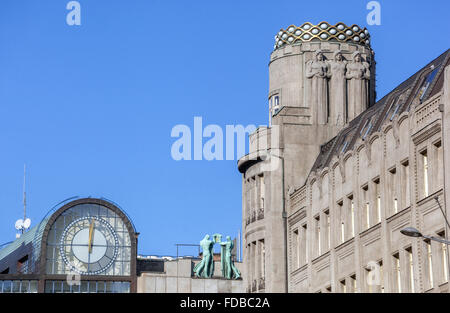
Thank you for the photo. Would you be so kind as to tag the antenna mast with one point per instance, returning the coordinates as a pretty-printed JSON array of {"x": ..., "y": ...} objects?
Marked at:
[
  {"x": 23, "y": 224},
  {"x": 24, "y": 194}
]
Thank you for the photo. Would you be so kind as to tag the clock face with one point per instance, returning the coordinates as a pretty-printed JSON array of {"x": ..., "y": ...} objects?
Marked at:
[{"x": 89, "y": 245}]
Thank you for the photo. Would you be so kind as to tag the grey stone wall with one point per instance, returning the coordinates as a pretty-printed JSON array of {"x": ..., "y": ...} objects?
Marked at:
[
  {"x": 385, "y": 180},
  {"x": 177, "y": 277}
]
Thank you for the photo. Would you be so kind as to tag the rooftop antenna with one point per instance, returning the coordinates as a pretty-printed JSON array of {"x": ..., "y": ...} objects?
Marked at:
[{"x": 23, "y": 224}]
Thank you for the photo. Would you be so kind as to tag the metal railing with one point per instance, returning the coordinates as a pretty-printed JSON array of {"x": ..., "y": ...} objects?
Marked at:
[
  {"x": 255, "y": 215},
  {"x": 262, "y": 283},
  {"x": 260, "y": 213}
]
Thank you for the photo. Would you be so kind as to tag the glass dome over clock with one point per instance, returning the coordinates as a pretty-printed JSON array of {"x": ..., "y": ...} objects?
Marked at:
[
  {"x": 81, "y": 245},
  {"x": 89, "y": 239}
]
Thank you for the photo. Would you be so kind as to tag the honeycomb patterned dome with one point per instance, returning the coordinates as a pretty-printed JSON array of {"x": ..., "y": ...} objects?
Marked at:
[{"x": 323, "y": 31}]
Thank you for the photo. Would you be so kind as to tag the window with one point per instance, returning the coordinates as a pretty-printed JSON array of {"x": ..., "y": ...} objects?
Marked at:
[
  {"x": 327, "y": 217},
  {"x": 427, "y": 83},
  {"x": 444, "y": 257},
  {"x": 253, "y": 257},
  {"x": 261, "y": 191},
  {"x": 367, "y": 215},
  {"x": 305, "y": 243},
  {"x": 18, "y": 286},
  {"x": 277, "y": 101},
  {"x": 342, "y": 222},
  {"x": 378, "y": 209},
  {"x": 352, "y": 215},
  {"x": 366, "y": 202},
  {"x": 318, "y": 239},
  {"x": 438, "y": 177},
  {"x": 405, "y": 185},
  {"x": 296, "y": 244},
  {"x": 343, "y": 286},
  {"x": 57, "y": 286},
  {"x": 444, "y": 261},
  {"x": 397, "y": 272},
  {"x": 353, "y": 282},
  {"x": 410, "y": 269},
  {"x": 393, "y": 189},
  {"x": 262, "y": 262},
  {"x": 429, "y": 263},
  {"x": 425, "y": 172},
  {"x": 378, "y": 198},
  {"x": 274, "y": 106}
]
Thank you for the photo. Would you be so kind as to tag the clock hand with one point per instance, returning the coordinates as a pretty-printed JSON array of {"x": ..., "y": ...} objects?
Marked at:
[{"x": 91, "y": 232}]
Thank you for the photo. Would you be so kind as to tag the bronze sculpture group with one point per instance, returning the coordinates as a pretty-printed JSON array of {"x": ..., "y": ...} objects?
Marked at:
[{"x": 205, "y": 268}]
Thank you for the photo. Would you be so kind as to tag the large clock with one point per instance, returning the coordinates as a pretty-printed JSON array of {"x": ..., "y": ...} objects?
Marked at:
[{"x": 89, "y": 245}]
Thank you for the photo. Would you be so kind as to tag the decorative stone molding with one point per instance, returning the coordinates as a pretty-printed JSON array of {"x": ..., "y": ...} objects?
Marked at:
[
  {"x": 297, "y": 216},
  {"x": 376, "y": 135},
  {"x": 402, "y": 117},
  {"x": 426, "y": 133},
  {"x": 425, "y": 112},
  {"x": 298, "y": 198}
]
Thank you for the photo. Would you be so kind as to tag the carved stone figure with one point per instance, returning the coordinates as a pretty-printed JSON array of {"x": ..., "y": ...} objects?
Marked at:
[
  {"x": 229, "y": 270},
  {"x": 205, "y": 268},
  {"x": 358, "y": 75},
  {"x": 317, "y": 71},
  {"x": 338, "y": 89}
]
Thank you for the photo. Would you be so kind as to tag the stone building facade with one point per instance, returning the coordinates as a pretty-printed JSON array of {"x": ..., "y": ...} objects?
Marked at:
[
  {"x": 176, "y": 276},
  {"x": 328, "y": 186}
]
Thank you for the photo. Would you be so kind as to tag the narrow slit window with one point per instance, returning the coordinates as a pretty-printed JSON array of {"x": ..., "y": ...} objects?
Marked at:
[{"x": 425, "y": 173}]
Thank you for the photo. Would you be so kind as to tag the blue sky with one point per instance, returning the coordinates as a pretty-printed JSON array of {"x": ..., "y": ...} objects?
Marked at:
[{"x": 90, "y": 108}]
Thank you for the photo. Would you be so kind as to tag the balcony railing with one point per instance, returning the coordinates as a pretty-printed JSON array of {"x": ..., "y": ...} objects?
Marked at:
[
  {"x": 262, "y": 283},
  {"x": 255, "y": 215},
  {"x": 260, "y": 213}
]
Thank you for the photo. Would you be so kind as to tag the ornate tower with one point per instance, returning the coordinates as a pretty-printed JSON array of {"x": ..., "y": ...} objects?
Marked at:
[{"x": 320, "y": 78}]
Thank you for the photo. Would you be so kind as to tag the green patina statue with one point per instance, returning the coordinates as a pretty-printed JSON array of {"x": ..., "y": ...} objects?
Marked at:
[
  {"x": 205, "y": 268},
  {"x": 229, "y": 270}
]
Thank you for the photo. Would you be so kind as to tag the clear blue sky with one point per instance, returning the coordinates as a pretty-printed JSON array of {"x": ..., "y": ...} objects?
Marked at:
[{"x": 90, "y": 108}]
